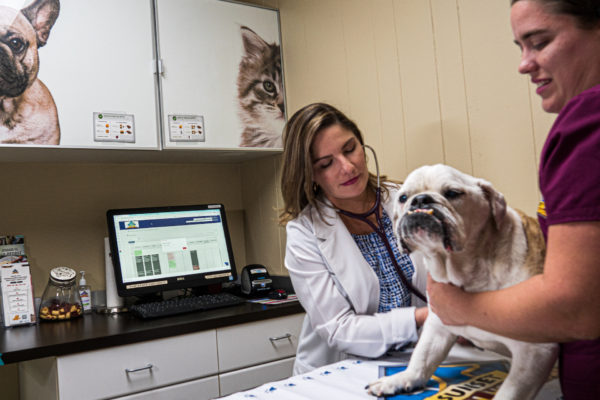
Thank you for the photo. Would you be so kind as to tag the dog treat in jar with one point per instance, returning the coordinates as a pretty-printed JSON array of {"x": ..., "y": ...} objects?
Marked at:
[{"x": 61, "y": 300}]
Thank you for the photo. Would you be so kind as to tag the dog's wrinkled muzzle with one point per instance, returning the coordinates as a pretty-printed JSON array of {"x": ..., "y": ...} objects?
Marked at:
[{"x": 424, "y": 221}]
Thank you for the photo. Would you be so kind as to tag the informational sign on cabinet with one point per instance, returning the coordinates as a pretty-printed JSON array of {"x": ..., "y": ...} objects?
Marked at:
[
  {"x": 186, "y": 128},
  {"x": 111, "y": 127}
]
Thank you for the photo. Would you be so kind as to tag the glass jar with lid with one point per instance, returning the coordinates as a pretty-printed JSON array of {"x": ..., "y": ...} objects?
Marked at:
[{"x": 61, "y": 300}]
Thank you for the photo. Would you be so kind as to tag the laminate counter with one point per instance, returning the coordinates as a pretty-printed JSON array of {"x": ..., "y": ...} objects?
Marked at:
[{"x": 99, "y": 331}]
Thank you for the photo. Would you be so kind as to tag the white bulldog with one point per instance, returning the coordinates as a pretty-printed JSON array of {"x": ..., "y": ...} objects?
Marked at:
[{"x": 472, "y": 239}]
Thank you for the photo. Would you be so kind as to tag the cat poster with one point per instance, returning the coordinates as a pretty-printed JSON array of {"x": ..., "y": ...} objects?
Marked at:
[
  {"x": 260, "y": 92},
  {"x": 224, "y": 69}
]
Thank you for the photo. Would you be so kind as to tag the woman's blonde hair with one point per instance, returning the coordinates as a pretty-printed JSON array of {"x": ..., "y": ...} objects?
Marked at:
[{"x": 297, "y": 187}]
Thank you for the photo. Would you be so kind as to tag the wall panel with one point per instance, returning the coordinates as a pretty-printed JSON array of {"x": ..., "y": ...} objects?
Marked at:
[
  {"x": 295, "y": 50},
  {"x": 498, "y": 103},
  {"x": 392, "y": 150},
  {"x": 451, "y": 79},
  {"x": 260, "y": 187},
  {"x": 363, "y": 96},
  {"x": 418, "y": 80}
]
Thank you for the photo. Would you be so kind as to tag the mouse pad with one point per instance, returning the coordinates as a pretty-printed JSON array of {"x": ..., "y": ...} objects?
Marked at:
[
  {"x": 459, "y": 381},
  {"x": 268, "y": 301}
]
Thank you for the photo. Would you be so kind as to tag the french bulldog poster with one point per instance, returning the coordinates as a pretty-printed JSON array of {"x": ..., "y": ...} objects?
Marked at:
[{"x": 27, "y": 110}]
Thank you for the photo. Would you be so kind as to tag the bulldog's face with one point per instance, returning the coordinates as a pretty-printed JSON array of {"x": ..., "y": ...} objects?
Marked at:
[
  {"x": 440, "y": 209},
  {"x": 21, "y": 33}
]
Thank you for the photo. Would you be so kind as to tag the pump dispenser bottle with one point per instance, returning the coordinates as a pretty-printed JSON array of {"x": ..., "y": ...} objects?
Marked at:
[{"x": 85, "y": 292}]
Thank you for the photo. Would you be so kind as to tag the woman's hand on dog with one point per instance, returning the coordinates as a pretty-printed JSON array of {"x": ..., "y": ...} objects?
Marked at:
[{"x": 448, "y": 302}]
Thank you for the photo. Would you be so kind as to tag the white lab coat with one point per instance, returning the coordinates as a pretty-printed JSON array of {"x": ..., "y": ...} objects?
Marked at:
[{"x": 340, "y": 293}]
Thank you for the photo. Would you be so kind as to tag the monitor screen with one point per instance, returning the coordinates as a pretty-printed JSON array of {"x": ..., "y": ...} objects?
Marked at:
[{"x": 164, "y": 248}]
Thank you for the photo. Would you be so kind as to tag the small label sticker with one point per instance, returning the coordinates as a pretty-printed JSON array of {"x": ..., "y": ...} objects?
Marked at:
[
  {"x": 113, "y": 127},
  {"x": 186, "y": 128}
]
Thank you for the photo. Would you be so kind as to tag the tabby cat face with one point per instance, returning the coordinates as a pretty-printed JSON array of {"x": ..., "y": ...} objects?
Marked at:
[{"x": 260, "y": 92}]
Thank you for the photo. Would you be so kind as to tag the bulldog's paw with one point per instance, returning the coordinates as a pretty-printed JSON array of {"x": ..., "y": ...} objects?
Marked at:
[{"x": 390, "y": 385}]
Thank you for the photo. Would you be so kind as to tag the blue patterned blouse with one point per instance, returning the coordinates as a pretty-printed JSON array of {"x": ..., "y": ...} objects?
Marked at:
[{"x": 393, "y": 293}]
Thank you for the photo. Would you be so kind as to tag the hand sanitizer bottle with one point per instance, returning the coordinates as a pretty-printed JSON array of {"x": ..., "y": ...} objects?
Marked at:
[{"x": 85, "y": 292}]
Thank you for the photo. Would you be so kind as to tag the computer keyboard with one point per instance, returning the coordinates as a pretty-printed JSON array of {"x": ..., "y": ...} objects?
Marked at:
[{"x": 180, "y": 305}]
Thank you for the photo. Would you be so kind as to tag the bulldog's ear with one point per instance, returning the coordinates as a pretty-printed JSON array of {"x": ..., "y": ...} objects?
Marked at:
[
  {"x": 42, "y": 15},
  {"x": 496, "y": 201}
]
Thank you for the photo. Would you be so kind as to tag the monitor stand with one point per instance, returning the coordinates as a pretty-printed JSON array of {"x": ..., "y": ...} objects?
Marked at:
[
  {"x": 149, "y": 298},
  {"x": 206, "y": 289}
]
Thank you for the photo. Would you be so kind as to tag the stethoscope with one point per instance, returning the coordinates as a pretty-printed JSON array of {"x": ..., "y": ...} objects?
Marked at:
[{"x": 379, "y": 229}]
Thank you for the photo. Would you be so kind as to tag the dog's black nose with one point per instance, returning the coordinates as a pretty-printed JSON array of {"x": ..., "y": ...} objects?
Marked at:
[{"x": 421, "y": 201}]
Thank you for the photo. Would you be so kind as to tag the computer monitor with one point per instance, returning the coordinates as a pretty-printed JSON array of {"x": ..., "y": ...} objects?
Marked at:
[{"x": 165, "y": 248}]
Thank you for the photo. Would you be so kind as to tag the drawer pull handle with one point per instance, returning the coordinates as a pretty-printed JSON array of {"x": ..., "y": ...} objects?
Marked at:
[
  {"x": 287, "y": 336},
  {"x": 149, "y": 366}
]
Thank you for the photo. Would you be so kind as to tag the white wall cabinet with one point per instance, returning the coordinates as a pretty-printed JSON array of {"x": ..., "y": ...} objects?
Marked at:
[
  {"x": 240, "y": 357},
  {"x": 99, "y": 59},
  {"x": 201, "y": 67}
]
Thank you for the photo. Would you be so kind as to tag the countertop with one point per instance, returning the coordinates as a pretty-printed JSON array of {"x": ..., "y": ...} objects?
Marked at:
[{"x": 96, "y": 331}]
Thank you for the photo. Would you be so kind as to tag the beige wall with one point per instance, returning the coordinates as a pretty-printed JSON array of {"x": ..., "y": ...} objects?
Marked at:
[{"x": 427, "y": 81}]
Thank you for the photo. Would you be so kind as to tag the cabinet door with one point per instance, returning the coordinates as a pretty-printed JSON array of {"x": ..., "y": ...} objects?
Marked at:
[
  {"x": 200, "y": 389},
  {"x": 258, "y": 342},
  {"x": 137, "y": 367},
  {"x": 99, "y": 58},
  {"x": 201, "y": 44},
  {"x": 251, "y": 377}
]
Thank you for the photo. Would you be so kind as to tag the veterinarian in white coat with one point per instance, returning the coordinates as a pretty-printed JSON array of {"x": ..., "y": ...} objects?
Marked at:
[{"x": 338, "y": 288}]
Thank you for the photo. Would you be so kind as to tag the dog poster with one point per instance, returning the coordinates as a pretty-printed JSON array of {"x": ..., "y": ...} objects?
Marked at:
[
  {"x": 223, "y": 69},
  {"x": 65, "y": 61},
  {"x": 27, "y": 109}
]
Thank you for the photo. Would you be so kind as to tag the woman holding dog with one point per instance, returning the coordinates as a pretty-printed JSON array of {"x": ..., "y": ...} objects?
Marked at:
[
  {"x": 340, "y": 267},
  {"x": 560, "y": 45}
]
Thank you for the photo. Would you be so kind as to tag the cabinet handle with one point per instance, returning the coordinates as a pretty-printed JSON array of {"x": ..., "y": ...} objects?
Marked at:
[
  {"x": 287, "y": 336},
  {"x": 149, "y": 366}
]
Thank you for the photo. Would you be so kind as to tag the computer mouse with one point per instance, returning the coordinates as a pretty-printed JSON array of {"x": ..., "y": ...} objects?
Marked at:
[{"x": 278, "y": 294}]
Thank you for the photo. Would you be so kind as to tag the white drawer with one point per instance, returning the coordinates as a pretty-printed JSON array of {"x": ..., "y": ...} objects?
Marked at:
[
  {"x": 102, "y": 373},
  {"x": 258, "y": 342},
  {"x": 200, "y": 389},
  {"x": 248, "y": 378}
]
